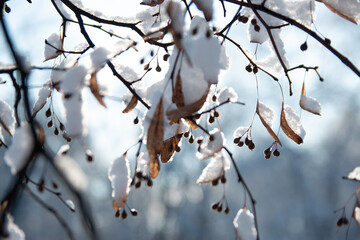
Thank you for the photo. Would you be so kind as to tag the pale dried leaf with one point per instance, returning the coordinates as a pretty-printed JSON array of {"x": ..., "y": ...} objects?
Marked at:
[
  {"x": 266, "y": 116},
  {"x": 178, "y": 96},
  {"x": 169, "y": 147},
  {"x": 291, "y": 125},
  {"x": 94, "y": 87},
  {"x": 131, "y": 105}
]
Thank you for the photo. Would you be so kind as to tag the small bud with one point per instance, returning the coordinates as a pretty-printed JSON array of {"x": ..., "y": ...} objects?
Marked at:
[
  {"x": 328, "y": 41},
  {"x": 166, "y": 57},
  {"x": 276, "y": 153},
  {"x": 50, "y": 124},
  {"x": 48, "y": 113},
  {"x": 149, "y": 182},
  {"x": 123, "y": 214},
  {"x": 257, "y": 28},
  {"x": 303, "y": 47},
  {"x": 136, "y": 120},
  {"x": 237, "y": 140},
  {"x": 117, "y": 214},
  {"x": 215, "y": 182},
  {"x": 214, "y": 206},
  {"x": 248, "y": 68},
  {"x": 177, "y": 148},
  {"x": 133, "y": 212}
]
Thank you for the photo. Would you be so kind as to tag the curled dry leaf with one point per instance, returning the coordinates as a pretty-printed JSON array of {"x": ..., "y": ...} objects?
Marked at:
[
  {"x": 131, "y": 105},
  {"x": 169, "y": 147},
  {"x": 290, "y": 124},
  {"x": 155, "y": 139},
  {"x": 308, "y": 103},
  {"x": 187, "y": 110},
  {"x": 266, "y": 116},
  {"x": 178, "y": 96},
  {"x": 94, "y": 87}
]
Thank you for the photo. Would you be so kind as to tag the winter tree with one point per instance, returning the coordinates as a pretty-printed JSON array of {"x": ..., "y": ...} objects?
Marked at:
[{"x": 166, "y": 63}]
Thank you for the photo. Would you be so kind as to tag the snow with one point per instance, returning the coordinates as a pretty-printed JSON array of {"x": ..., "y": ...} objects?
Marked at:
[
  {"x": 74, "y": 79},
  {"x": 245, "y": 225},
  {"x": 52, "y": 46},
  {"x": 293, "y": 121},
  {"x": 266, "y": 113},
  {"x": 355, "y": 174},
  {"x": 72, "y": 172},
  {"x": 241, "y": 132},
  {"x": 43, "y": 94},
  {"x": 15, "y": 233},
  {"x": 7, "y": 117},
  {"x": 310, "y": 104},
  {"x": 58, "y": 72},
  {"x": 119, "y": 175},
  {"x": 209, "y": 148},
  {"x": 215, "y": 169},
  {"x": 227, "y": 94},
  {"x": 142, "y": 162},
  {"x": 356, "y": 214},
  {"x": 20, "y": 150}
]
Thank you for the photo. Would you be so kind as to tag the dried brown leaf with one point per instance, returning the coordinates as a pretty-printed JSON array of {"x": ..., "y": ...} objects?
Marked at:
[
  {"x": 287, "y": 129},
  {"x": 187, "y": 110},
  {"x": 268, "y": 128},
  {"x": 169, "y": 147},
  {"x": 5, "y": 127},
  {"x": 155, "y": 139},
  {"x": 131, "y": 105},
  {"x": 178, "y": 96},
  {"x": 340, "y": 13},
  {"x": 94, "y": 87}
]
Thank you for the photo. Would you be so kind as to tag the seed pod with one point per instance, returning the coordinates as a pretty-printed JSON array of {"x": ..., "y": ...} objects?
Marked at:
[
  {"x": 253, "y": 21},
  {"x": 166, "y": 57},
  {"x": 48, "y": 113},
  {"x": 248, "y": 68},
  {"x": 237, "y": 140},
  {"x": 177, "y": 148},
  {"x": 56, "y": 131},
  {"x": 240, "y": 144},
  {"x": 215, "y": 182},
  {"x": 216, "y": 114},
  {"x": 227, "y": 210},
  {"x": 7, "y": 9},
  {"x": 223, "y": 179},
  {"x": 211, "y": 119},
  {"x": 149, "y": 182},
  {"x": 186, "y": 134},
  {"x": 247, "y": 141},
  {"x": 303, "y": 47},
  {"x": 124, "y": 214},
  {"x": 138, "y": 184},
  {"x": 214, "y": 98},
  {"x": 255, "y": 69},
  {"x": 245, "y": 19},
  {"x": 276, "y": 153},
  {"x": 219, "y": 209},
  {"x": 117, "y": 214},
  {"x": 133, "y": 212},
  {"x": 62, "y": 127},
  {"x": 257, "y": 28},
  {"x": 136, "y": 120},
  {"x": 252, "y": 146},
  {"x": 214, "y": 206},
  {"x": 158, "y": 68},
  {"x": 191, "y": 139},
  {"x": 50, "y": 124}
]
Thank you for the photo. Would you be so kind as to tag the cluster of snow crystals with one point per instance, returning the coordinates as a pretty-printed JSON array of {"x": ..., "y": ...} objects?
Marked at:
[
  {"x": 348, "y": 8},
  {"x": 204, "y": 50},
  {"x": 119, "y": 175},
  {"x": 310, "y": 104},
  {"x": 293, "y": 121},
  {"x": 211, "y": 147},
  {"x": 245, "y": 225},
  {"x": 215, "y": 169},
  {"x": 72, "y": 172},
  {"x": 52, "y": 46},
  {"x": 266, "y": 113},
  {"x": 71, "y": 86},
  {"x": 15, "y": 233},
  {"x": 227, "y": 94},
  {"x": 7, "y": 117},
  {"x": 19, "y": 152},
  {"x": 43, "y": 95},
  {"x": 355, "y": 174},
  {"x": 142, "y": 162}
]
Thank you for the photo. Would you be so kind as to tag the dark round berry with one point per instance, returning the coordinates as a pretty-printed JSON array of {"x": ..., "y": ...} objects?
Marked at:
[
  {"x": 252, "y": 145},
  {"x": 248, "y": 68},
  {"x": 237, "y": 140},
  {"x": 211, "y": 119},
  {"x": 7, "y": 9},
  {"x": 245, "y": 19},
  {"x": 227, "y": 210},
  {"x": 123, "y": 214},
  {"x": 328, "y": 41},
  {"x": 177, "y": 148},
  {"x": 219, "y": 209},
  {"x": 158, "y": 68},
  {"x": 133, "y": 212},
  {"x": 149, "y": 182},
  {"x": 216, "y": 114},
  {"x": 138, "y": 175},
  {"x": 240, "y": 144},
  {"x": 56, "y": 131},
  {"x": 253, "y": 21},
  {"x": 48, "y": 113},
  {"x": 247, "y": 141},
  {"x": 223, "y": 179},
  {"x": 276, "y": 153},
  {"x": 215, "y": 182},
  {"x": 257, "y": 28},
  {"x": 50, "y": 124},
  {"x": 138, "y": 184},
  {"x": 191, "y": 139},
  {"x": 165, "y": 57},
  {"x": 186, "y": 134},
  {"x": 214, "y": 98},
  {"x": 214, "y": 206},
  {"x": 211, "y": 138},
  {"x": 117, "y": 214},
  {"x": 255, "y": 69},
  {"x": 136, "y": 120}
]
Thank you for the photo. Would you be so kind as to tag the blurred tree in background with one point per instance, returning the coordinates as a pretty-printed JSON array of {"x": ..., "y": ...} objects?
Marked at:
[{"x": 96, "y": 98}]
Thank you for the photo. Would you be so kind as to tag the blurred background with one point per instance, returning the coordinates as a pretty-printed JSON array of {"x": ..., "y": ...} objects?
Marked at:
[{"x": 296, "y": 193}]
